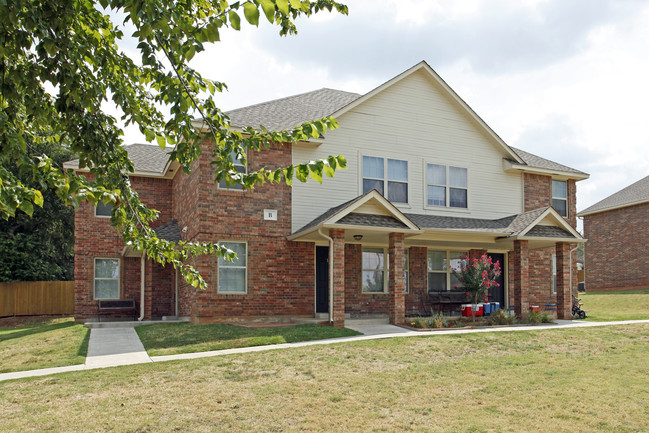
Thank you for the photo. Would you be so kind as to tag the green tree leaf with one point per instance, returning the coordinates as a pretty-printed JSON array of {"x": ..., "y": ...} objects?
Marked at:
[{"x": 251, "y": 13}]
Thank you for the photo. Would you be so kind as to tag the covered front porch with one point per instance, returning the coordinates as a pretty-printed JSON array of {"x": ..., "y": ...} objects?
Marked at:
[{"x": 372, "y": 259}]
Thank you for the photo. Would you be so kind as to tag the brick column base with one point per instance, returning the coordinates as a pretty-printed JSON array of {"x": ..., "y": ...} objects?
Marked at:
[
  {"x": 564, "y": 302},
  {"x": 521, "y": 278}
]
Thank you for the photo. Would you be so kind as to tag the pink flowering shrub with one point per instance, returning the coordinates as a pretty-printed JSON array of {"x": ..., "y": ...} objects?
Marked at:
[{"x": 477, "y": 276}]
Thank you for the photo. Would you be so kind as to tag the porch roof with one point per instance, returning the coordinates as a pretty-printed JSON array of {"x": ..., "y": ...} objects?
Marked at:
[{"x": 542, "y": 227}]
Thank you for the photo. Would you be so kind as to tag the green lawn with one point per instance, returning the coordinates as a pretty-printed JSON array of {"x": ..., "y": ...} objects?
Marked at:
[
  {"x": 622, "y": 305},
  {"x": 173, "y": 338},
  {"x": 588, "y": 379},
  {"x": 41, "y": 342}
]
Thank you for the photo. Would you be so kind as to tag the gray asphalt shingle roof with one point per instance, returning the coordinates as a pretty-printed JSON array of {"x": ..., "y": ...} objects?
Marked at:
[
  {"x": 169, "y": 231},
  {"x": 291, "y": 111},
  {"x": 635, "y": 193},
  {"x": 145, "y": 157},
  {"x": 363, "y": 219},
  {"x": 538, "y": 162}
]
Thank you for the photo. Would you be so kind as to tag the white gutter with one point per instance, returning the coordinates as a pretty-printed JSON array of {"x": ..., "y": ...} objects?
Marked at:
[
  {"x": 571, "y": 251},
  {"x": 176, "y": 284},
  {"x": 331, "y": 276},
  {"x": 142, "y": 260}
]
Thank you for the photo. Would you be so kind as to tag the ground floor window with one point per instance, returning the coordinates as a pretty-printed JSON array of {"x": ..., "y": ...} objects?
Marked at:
[
  {"x": 106, "y": 279},
  {"x": 233, "y": 275},
  {"x": 374, "y": 270},
  {"x": 440, "y": 264}
]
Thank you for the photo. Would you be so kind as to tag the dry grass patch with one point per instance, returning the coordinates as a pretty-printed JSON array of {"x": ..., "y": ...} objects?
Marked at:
[
  {"x": 534, "y": 381},
  {"x": 620, "y": 305},
  {"x": 40, "y": 342}
]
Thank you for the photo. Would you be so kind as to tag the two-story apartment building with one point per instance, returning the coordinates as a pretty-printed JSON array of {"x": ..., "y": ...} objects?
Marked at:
[{"x": 427, "y": 181}]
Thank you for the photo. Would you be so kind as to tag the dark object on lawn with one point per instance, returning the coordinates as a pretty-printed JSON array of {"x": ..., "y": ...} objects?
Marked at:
[
  {"x": 577, "y": 312},
  {"x": 581, "y": 287}
]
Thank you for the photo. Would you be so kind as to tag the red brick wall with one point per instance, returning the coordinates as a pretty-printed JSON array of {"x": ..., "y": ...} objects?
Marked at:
[
  {"x": 417, "y": 298},
  {"x": 281, "y": 273},
  {"x": 614, "y": 251},
  {"x": 538, "y": 193},
  {"x": 96, "y": 238}
]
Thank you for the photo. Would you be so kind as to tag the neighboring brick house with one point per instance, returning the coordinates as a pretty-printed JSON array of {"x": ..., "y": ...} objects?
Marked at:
[
  {"x": 427, "y": 181},
  {"x": 616, "y": 229}
]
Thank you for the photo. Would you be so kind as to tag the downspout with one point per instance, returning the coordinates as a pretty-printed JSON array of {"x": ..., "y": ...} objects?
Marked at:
[
  {"x": 571, "y": 251},
  {"x": 331, "y": 271},
  {"x": 176, "y": 283},
  {"x": 142, "y": 260}
]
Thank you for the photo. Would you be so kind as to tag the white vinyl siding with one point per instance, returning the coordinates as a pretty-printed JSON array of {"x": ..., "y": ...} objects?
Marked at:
[
  {"x": 233, "y": 276},
  {"x": 390, "y": 125},
  {"x": 106, "y": 280}
]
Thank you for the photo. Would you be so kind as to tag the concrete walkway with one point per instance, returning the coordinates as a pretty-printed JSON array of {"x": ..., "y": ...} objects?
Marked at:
[{"x": 111, "y": 347}]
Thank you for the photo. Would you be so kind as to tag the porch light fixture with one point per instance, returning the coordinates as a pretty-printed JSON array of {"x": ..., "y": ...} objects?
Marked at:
[{"x": 358, "y": 237}]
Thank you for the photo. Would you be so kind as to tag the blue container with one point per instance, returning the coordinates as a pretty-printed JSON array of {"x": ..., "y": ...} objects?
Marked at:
[
  {"x": 495, "y": 306},
  {"x": 487, "y": 309}
]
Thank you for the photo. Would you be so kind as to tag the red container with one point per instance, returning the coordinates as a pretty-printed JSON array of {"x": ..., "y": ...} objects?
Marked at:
[
  {"x": 534, "y": 308},
  {"x": 466, "y": 310},
  {"x": 479, "y": 312}
]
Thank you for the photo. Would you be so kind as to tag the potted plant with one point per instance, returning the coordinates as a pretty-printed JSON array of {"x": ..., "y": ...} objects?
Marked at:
[{"x": 477, "y": 276}]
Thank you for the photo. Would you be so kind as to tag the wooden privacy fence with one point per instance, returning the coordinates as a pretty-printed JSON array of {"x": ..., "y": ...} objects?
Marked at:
[{"x": 34, "y": 298}]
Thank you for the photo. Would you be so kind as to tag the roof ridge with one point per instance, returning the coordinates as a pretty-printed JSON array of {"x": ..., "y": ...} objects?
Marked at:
[{"x": 272, "y": 101}]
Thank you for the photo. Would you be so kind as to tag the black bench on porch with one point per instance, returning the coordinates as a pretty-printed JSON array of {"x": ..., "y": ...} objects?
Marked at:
[
  {"x": 447, "y": 301},
  {"x": 116, "y": 305}
]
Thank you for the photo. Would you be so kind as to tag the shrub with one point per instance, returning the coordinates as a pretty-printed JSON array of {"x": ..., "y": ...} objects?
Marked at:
[
  {"x": 417, "y": 322},
  {"x": 500, "y": 317},
  {"x": 437, "y": 320}
]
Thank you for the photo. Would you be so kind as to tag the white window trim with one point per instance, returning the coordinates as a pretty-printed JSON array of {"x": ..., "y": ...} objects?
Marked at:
[
  {"x": 100, "y": 216},
  {"x": 448, "y": 272},
  {"x": 218, "y": 273},
  {"x": 94, "y": 277},
  {"x": 448, "y": 206},
  {"x": 386, "y": 270},
  {"x": 385, "y": 177},
  {"x": 560, "y": 198}
]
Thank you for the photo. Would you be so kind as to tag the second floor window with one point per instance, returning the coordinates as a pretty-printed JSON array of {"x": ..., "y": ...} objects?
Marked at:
[
  {"x": 446, "y": 186},
  {"x": 239, "y": 167},
  {"x": 394, "y": 186},
  {"x": 560, "y": 197}
]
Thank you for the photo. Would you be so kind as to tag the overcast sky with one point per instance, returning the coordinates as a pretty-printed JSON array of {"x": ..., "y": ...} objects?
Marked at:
[{"x": 567, "y": 80}]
